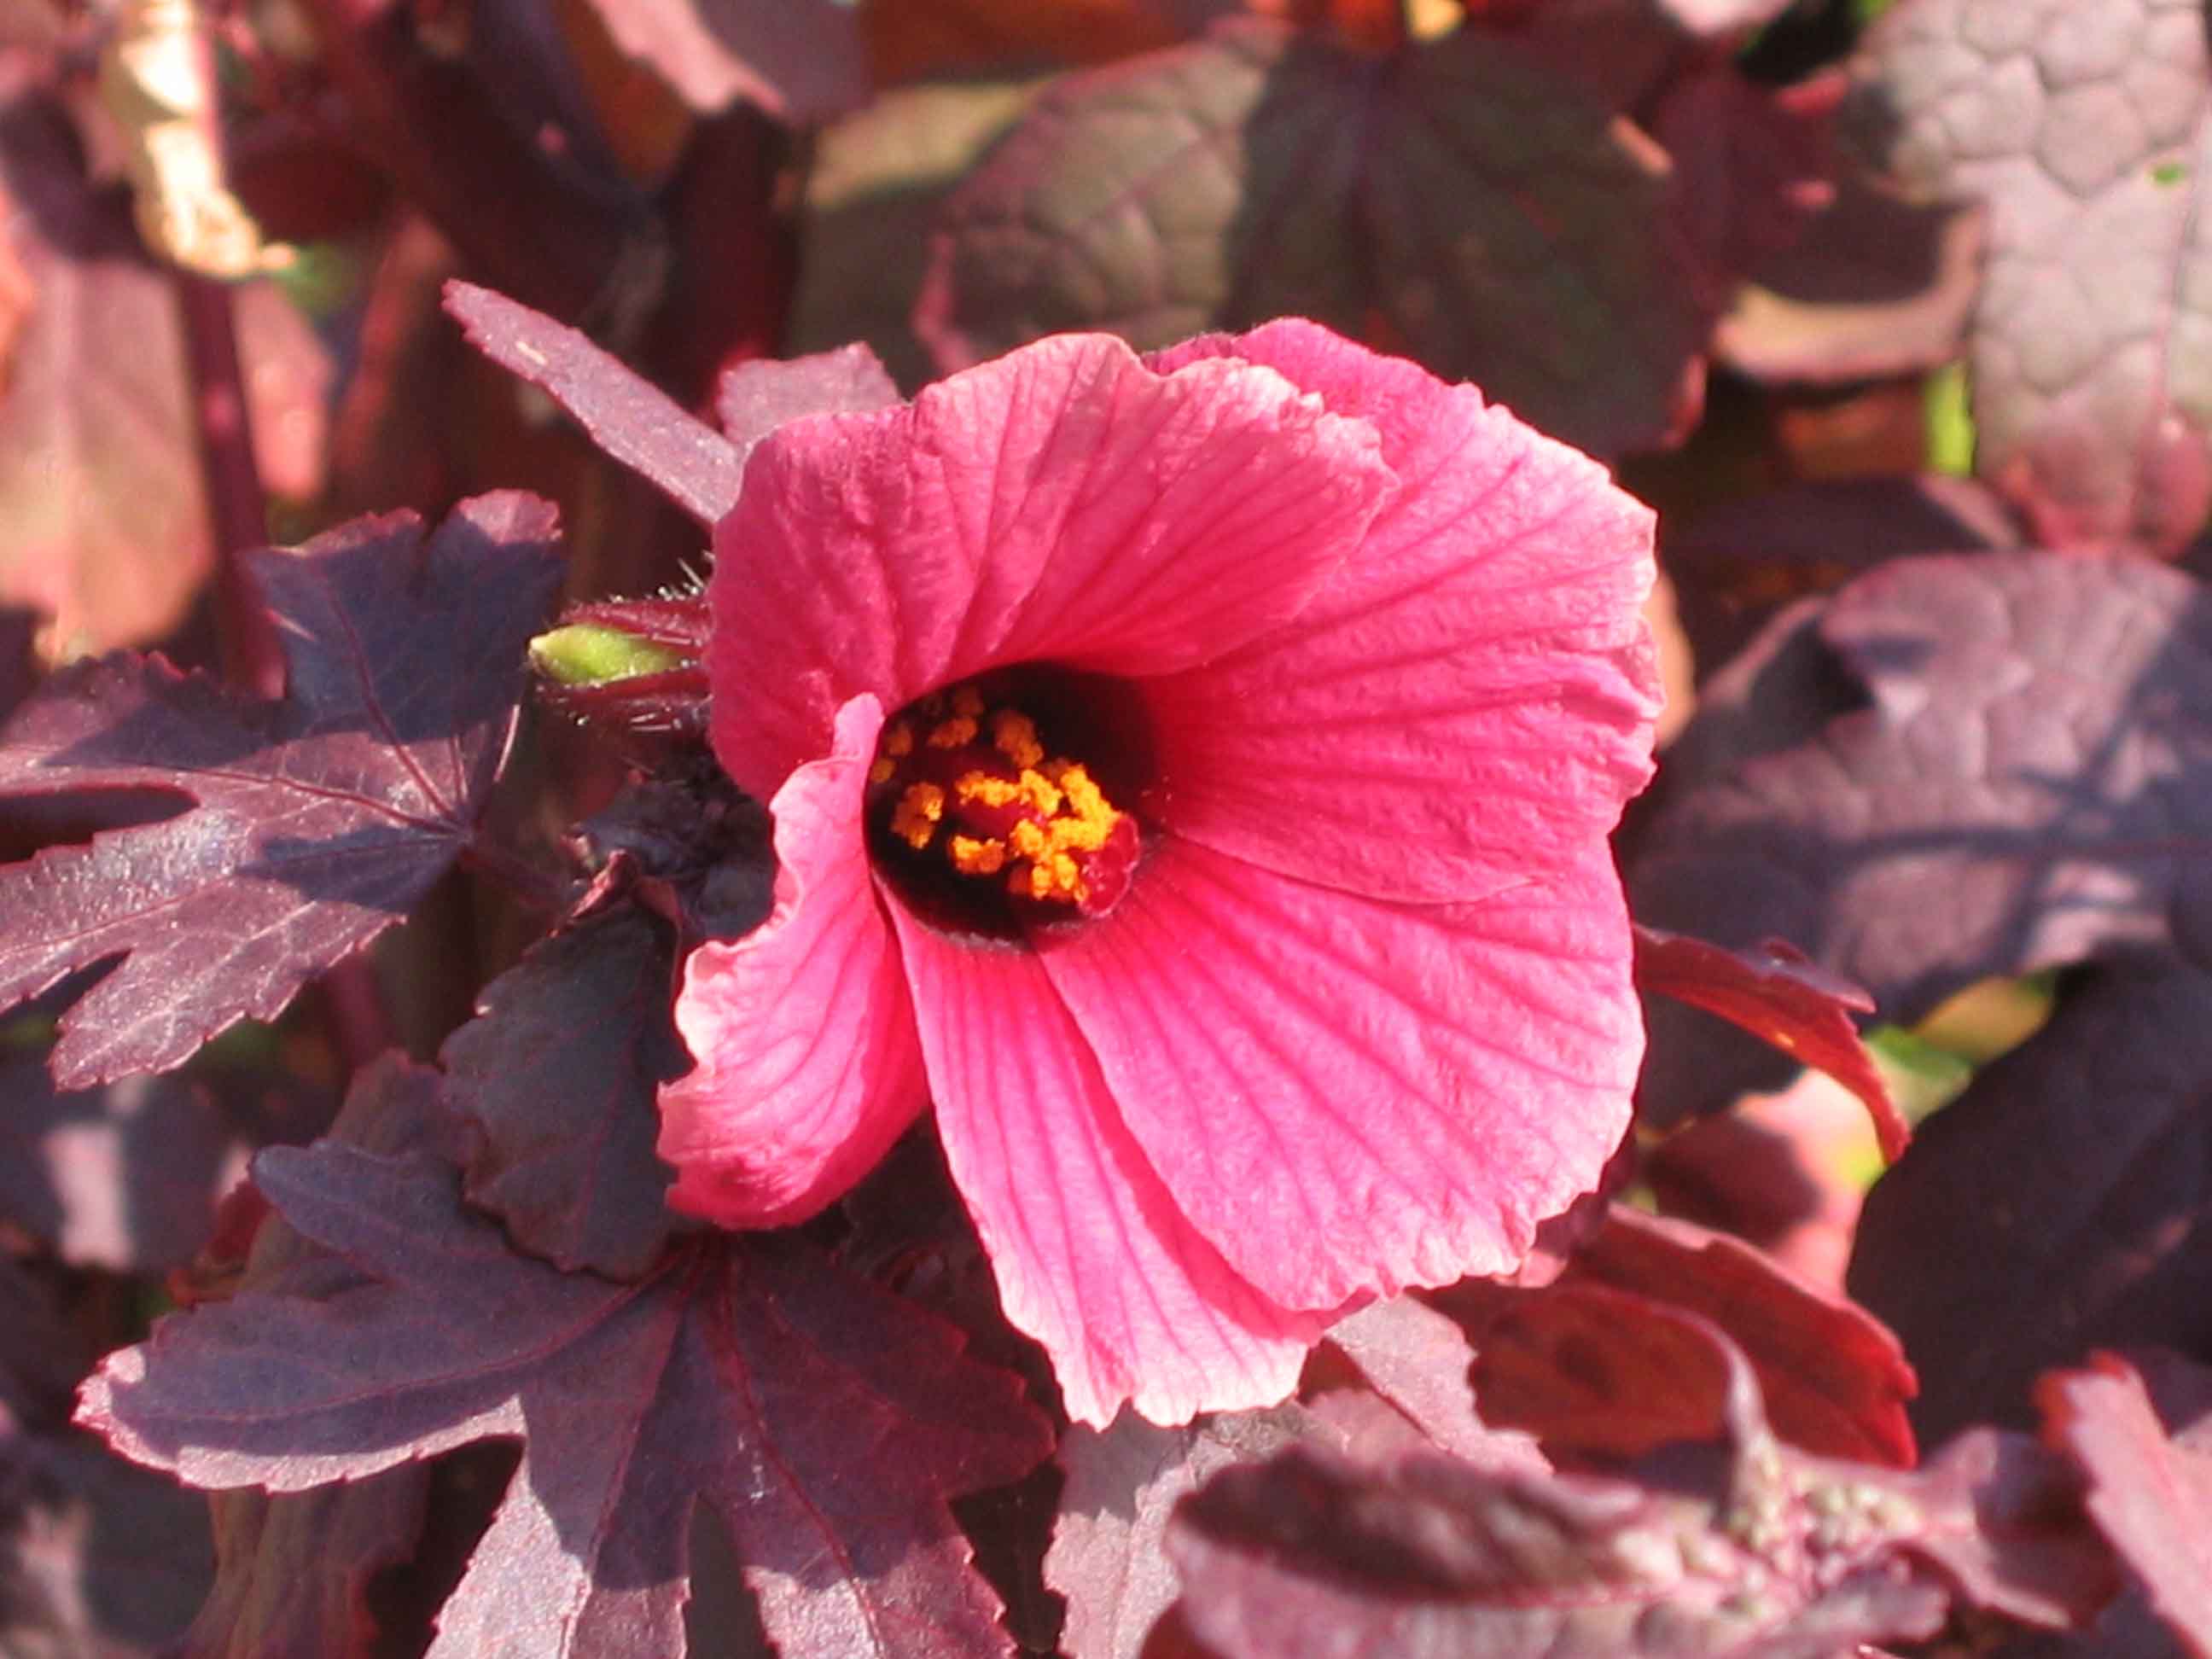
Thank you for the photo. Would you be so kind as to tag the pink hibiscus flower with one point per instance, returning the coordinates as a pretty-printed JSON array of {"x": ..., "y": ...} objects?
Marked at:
[{"x": 1193, "y": 773}]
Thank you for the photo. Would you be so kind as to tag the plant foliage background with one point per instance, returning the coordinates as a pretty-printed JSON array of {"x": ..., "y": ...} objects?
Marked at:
[{"x": 1895, "y": 311}]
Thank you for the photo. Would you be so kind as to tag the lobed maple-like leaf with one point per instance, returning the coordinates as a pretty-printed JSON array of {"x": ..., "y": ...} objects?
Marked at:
[
  {"x": 315, "y": 823},
  {"x": 2063, "y": 1202},
  {"x": 822, "y": 1422},
  {"x": 2147, "y": 1453},
  {"x": 1927, "y": 786},
  {"x": 640, "y": 426},
  {"x": 2083, "y": 126},
  {"x": 625, "y": 415},
  {"x": 1774, "y": 993},
  {"x": 557, "y": 1073},
  {"x": 1739, "y": 1547},
  {"x": 1507, "y": 226},
  {"x": 755, "y": 397}
]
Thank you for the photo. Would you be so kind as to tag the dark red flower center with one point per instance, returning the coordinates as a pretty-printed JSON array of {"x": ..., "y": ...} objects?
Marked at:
[{"x": 981, "y": 826}]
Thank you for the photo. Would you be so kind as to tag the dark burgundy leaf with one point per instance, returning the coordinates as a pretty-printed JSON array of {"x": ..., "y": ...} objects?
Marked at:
[
  {"x": 1570, "y": 1366},
  {"x": 97, "y": 1558},
  {"x": 292, "y": 1573},
  {"x": 756, "y": 397},
  {"x": 1587, "y": 1368},
  {"x": 1123, "y": 1483},
  {"x": 801, "y": 61},
  {"x": 19, "y": 670},
  {"x": 315, "y": 823},
  {"x": 1736, "y": 564},
  {"x": 1774, "y": 993},
  {"x": 125, "y": 1176},
  {"x": 558, "y": 1073},
  {"x": 825, "y": 1422},
  {"x": 1628, "y": 50},
  {"x": 2081, "y": 127},
  {"x": 626, "y": 415},
  {"x": 1417, "y": 1358},
  {"x": 2151, "y": 1479},
  {"x": 103, "y": 510},
  {"x": 1745, "y": 1547},
  {"x": 698, "y": 848},
  {"x": 1876, "y": 286},
  {"x": 873, "y": 193},
  {"x": 1786, "y": 1172},
  {"x": 1754, "y": 162},
  {"x": 2063, "y": 1202},
  {"x": 40, "y": 1356},
  {"x": 1511, "y": 228},
  {"x": 1920, "y": 785}
]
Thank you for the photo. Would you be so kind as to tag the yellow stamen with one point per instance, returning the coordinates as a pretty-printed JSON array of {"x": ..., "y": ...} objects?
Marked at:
[
  {"x": 1015, "y": 736},
  {"x": 1058, "y": 814},
  {"x": 971, "y": 857},
  {"x": 915, "y": 818}
]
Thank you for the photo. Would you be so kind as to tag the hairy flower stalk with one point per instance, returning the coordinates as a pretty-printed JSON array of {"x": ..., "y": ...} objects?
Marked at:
[{"x": 1193, "y": 774}]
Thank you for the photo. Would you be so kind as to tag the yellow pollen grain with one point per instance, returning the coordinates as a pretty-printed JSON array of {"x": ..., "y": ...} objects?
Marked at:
[
  {"x": 915, "y": 819},
  {"x": 1015, "y": 736},
  {"x": 971, "y": 857},
  {"x": 951, "y": 734},
  {"x": 1040, "y": 793},
  {"x": 982, "y": 785},
  {"x": 899, "y": 741},
  {"x": 882, "y": 770},
  {"x": 1030, "y": 839}
]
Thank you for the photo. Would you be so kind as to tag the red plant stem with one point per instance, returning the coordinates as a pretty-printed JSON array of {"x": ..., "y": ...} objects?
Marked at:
[
  {"x": 246, "y": 641},
  {"x": 251, "y": 658}
]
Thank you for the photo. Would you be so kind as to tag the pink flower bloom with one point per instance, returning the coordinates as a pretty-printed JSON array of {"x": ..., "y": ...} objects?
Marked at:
[{"x": 1193, "y": 774}]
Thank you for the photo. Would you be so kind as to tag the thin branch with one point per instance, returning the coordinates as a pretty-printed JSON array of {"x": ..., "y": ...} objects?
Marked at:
[{"x": 252, "y": 659}]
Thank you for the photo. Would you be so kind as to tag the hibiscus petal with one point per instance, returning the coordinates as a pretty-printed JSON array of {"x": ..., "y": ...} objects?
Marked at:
[
  {"x": 1348, "y": 1096},
  {"x": 808, "y": 1065},
  {"x": 1471, "y": 694},
  {"x": 1092, "y": 1256},
  {"x": 1064, "y": 503}
]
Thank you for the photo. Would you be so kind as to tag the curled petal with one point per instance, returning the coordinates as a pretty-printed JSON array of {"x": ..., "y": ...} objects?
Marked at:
[
  {"x": 1472, "y": 694},
  {"x": 1064, "y": 503},
  {"x": 1092, "y": 1257},
  {"x": 808, "y": 1067},
  {"x": 1346, "y": 1095}
]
